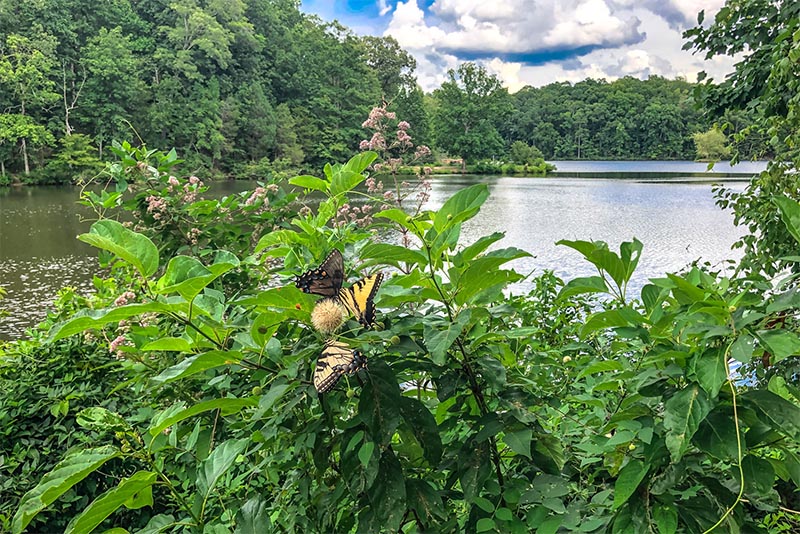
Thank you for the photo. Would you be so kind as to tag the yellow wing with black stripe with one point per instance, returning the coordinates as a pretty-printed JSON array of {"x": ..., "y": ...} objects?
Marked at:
[
  {"x": 336, "y": 360},
  {"x": 359, "y": 298}
]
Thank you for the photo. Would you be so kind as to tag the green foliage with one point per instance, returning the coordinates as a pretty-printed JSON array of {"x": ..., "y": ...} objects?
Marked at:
[
  {"x": 711, "y": 145},
  {"x": 469, "y": 108},
  {"x": 765, "y": 87},
  {"x": 573, "y": 407}
]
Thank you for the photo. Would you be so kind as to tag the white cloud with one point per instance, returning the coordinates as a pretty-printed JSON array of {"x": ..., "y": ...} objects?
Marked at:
[
  {"x": 383, "y": 7},
  {"x": 536, "y": 42}
]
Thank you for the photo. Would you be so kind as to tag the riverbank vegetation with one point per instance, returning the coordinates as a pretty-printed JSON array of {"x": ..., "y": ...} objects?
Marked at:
[
  {"x": 181, "y": 395},
  {"x": 250, "y": 89}
]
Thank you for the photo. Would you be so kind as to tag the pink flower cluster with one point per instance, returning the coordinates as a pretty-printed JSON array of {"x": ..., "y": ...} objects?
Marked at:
[
  {"x": 377, "y": 116},
  {"x": 193, "y": 235},
  {"x": 157, "y": 206},
  {"x": 115, "y": 347},
  {"x": 350, "y": 214},
  {"x": 123, "y": 299}
]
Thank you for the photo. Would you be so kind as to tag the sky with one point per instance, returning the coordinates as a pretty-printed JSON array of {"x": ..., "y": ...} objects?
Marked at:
[{"x": 536, "y": 42}]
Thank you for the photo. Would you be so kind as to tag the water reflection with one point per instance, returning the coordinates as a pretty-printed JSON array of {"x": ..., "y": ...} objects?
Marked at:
[{"x": 676, "y": 220}]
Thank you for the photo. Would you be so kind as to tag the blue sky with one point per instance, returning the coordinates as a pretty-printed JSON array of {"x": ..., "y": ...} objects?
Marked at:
[{"x": 535, "y": 42}]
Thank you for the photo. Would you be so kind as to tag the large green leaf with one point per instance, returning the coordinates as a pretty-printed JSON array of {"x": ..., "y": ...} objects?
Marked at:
[
  {"x": 790, "y": 213},
  {"x": 387, "y": 495},
  {"x": 217, "y": 464},
  {"x": 666, "y": 518},
  {"x": 711, "y": 370},
  {"x": 87, "y": 319},
  {"x": 383, "y": 253},
  {"x": 461, "y": 206},
  {"x": 110, "y": 501},
  {"x": 779, "y": 413},
  {"x": 781, "y": 343},
  {"x": 683, "y": 413},
  {"x": 68, "y": 472},
  {"x": 187, "y": 276},
  {"x": 253, "y": 517},
  {"x": 423, "y": 424},
  {"x": 628, "y": 480},
  {"x": 309, "y": 182},
  {"x": 440, "y": 335},
  {"x": 198, "y": 364},
  {"x": 180, "y": 412},
  {"x": 379, "y": 404},
  {"x": 134, "y": 248},
  {"x": 519, "y": 441}
]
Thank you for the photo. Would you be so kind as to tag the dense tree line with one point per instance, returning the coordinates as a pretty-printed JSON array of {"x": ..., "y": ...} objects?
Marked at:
[{"x": 245, "y": 87}]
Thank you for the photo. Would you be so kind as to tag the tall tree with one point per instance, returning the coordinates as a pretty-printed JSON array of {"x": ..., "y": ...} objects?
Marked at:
[
  {"x": 470, "y": 106},
  {"x": 26, "y": 67},
  {"x": 393, "y": 66},
  {"x": 113, "y": 92}
]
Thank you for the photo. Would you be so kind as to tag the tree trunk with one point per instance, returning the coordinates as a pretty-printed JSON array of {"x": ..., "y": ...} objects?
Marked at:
[{"x": 25, "y": 157}]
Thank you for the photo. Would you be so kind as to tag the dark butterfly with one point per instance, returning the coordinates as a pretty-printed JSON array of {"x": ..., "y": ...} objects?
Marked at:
[
  {"x": 326, "y": 280},
  {"x": 336, "y": 360}
]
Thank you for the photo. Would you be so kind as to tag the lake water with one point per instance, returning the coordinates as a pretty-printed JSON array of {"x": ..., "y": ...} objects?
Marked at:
[{"x": 674, "y": 217}]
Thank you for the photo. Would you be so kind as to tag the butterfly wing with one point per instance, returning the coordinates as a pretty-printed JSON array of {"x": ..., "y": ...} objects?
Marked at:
[
  {"x": 325, "y": 280},
  {"x": 358, "y": 298},
  {"x": 336, "y": 359}
]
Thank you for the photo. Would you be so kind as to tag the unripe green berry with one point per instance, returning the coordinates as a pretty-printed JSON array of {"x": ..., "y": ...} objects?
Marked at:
[
  {"x": 257, "y": 390},
  {"x": 394, "y": 340},
  {"x": 351, "y": 393}
]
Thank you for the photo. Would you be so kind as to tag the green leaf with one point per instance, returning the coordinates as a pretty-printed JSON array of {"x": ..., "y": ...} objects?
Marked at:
[
  {"x": 365, "y": 452},
  {"x": 711, "y": 369},
  {"x": 759, "y": 476},
  {"x": 68, "y": 472},
  {"x": 604, "y": 366},
  {"x": 460, "y": 207},
  {"x": 423, "y": 425},
  {"x": 131, "y": 247},
  {"x": 110, "y": 501},
  {"x": 790, "y": 214},
  {"x": 520, "y": 441},
  {"x": 717, "y": 436},
  {"x": 781, "y": 343},
  {"x": 187, "y": 276},
  {"x": 102, "y": 419},
  {"x": 379, "y": 403},
  {"x": 742, "y": 348},
  {"x": 474, "y": 468},
  {"x": 178, "y": 413},
  {"x": 628, "y": 480},
  {"x": 626, "y": 316},
  {"x": 484, "y": 504},
  {"x": 309, "y": 182},
  {"x": 424, "y": 499},
  {"x": 267, "y": 400},
  {"x": 172, "y": 344},
  {"x": 253, "y": 517},
  {"x": 382, "y": 253},
  {"x": 361, "y": 161},
  {"x": 781, "y": 414},
  {"x": 217, "y": 464},
  {"x": 684, "y": 412},
  {"x": 580, "y": 286},
  {"x": 88, "y": 319},
  {"x": 666, "y": 518},
  {"x": 388, "y": 494},
  {"x": 440, "y": 335},
  {"x": 485, "y": 524},
  {"x": 198, "y": 364}
]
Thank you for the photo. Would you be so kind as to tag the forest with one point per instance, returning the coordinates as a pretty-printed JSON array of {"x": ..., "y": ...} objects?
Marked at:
[
  {"x": 244, "y": 89},
  {"x": 326, "y": 353}
]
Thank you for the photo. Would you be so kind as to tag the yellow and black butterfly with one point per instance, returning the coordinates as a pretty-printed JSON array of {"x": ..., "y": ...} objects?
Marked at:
[
  {"x": 326, "y": 280},
  {"x": 336, "y": 360}
]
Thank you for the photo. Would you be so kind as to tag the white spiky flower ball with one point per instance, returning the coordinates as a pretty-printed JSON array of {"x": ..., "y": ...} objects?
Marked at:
[{"x": 328, "y": 316}]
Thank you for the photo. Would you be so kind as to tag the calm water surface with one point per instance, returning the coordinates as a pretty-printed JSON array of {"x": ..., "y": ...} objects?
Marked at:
[{"x": 675, "y": 219}]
